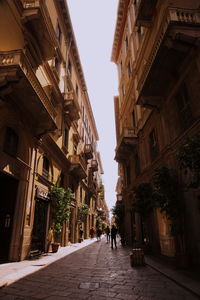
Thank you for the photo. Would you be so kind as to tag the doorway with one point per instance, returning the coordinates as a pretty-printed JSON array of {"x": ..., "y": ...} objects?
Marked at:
[
  {"x": 8, "y": 195},
  {"x": 39, "y": 232}
]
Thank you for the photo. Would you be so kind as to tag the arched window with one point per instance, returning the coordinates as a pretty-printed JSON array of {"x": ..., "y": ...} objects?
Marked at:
[
  {"x": 10, "y": 142},
  {"x": 45, "y": 169}
]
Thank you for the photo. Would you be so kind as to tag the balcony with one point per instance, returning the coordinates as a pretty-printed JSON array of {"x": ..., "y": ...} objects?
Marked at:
[
  {"x": 127, "y": 142},
  {"x": 71, "y": 106},
  {"x": 20, "y": 86},
  {"x": 88, "y": 151},
  {"x": 173, "y": 39},
  {"x": 94, "y": 165},
  {"x": 145, "y": 12},
  {"x": 78, "y": 166},
  {"x": 38, "y": 23}
]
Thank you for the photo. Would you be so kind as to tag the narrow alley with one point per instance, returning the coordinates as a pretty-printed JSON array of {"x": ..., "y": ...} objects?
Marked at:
[{"x": 95, "y": 272}]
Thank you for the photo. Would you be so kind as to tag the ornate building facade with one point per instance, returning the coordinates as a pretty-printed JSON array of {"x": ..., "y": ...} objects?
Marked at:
[
  {"x": 48, "y": 134},
  {"x": 156, "y": 51}
]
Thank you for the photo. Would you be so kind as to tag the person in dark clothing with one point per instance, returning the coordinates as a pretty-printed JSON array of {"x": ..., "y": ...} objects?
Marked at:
[
  {"x": 113, "y": 236},
  {"x": 107, "y": 230},
  {"x": 99, "y": 232}
]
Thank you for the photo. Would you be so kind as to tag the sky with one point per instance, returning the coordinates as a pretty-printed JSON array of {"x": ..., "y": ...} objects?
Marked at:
[{"x": 94, "y": 25}]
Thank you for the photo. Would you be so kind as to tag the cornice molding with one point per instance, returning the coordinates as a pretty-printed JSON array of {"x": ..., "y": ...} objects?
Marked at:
[{"x": 119, "y": 27}]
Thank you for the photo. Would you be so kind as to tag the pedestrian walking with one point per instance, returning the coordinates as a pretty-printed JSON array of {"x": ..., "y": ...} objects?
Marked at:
[
  {"x": 80, "y": 235},
  {"x": 113, "y": 236},
  {"x": 99, "y": 232},
  {"x": 92, "y": 232},
  {"x": 107, "y": 230},
  {"x": 50, "y": 238}
]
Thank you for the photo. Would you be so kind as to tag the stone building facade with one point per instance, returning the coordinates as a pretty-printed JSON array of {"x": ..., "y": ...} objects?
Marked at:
[
  {"x": 156, "y": 51},
  {"x": 48, "y": 134}
]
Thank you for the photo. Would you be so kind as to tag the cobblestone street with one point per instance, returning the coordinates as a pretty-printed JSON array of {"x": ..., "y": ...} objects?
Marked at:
[{"x": 95, "y": 272}]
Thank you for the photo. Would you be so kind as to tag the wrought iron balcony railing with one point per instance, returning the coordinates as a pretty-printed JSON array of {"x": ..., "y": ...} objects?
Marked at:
[
  {"x": 19, "y": 79},
  {"x": 88, "y": 151},
  {"x": 38, "y": 22},
  {"x": 94, "y": 165},
  {"x": 127, "y": 141},
  {"x": 78, "y": 166},
  {"x": 166, "y": 52}
]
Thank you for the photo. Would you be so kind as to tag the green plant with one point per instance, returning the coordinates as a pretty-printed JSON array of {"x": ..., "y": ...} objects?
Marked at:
[
  {"x": 166, "y": 192},
  {"x": 118, "y": 212},
  {"x": 99, "y": 222},
  {"x": 61, "y": 200},
  {"x": 144, "y": 200},
  {"x": 189, "y": 158},
  {"x": 83, "y": 210},
  {"x": 103, "y": 226}
]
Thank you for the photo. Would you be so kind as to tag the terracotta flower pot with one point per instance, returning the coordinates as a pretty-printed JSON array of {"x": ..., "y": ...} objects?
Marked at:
[{"x": 55, "y": 247}]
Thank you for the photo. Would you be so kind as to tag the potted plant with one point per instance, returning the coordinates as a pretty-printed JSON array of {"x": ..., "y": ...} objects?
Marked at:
[
  {"x": 83, "y": 210},
  {"x": 61, "y": 200}
]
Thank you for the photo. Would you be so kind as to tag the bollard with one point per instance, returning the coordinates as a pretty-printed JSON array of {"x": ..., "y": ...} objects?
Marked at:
[{"x": 137, "y": 257}]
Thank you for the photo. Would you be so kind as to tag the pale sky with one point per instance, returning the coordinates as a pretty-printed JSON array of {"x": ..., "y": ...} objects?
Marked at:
[{"x": 94, "y": 24}]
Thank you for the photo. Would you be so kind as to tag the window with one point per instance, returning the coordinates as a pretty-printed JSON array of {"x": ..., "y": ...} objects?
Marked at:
[
  {"x": 61, "y": 180},
  {"x": 183, "y": 105},
  {"x": 135, "y": 3},
  {"x": 129, "y": 69},
  {"x": 77, "y": 90},
  {"x": 57, "y": 65},
  {"x": 133, "y": 119},
  {"x": 83, "y": 133},
  {"x": 10, "y": 142},
  {"x": 83, "y": 112},
  {"x": 75, "y": 148},
  {"x": 123, "y": 93},
  {"x": 66, "y": 138},
  {"x": 139, "y": 33},
  {"x": 69, "y": 67},
  {"x": 153, "y": 144},
  {"x": 126, "y": 43},
  {"x": 58, "y": 34},
  {"x": 45, "y": 169},
  {"x": 137, "y": 165},
  {"x": 128, "y": 174},
  {"x": 81, "y": 194}
]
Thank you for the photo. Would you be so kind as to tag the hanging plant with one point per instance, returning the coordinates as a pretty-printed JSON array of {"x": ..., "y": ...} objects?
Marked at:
[
  {"x": 189, "y": 158},
  {"x": 83, "y": 210},
  {"x": 61, "y": 200},
  {"x": 144, "y": 200}
]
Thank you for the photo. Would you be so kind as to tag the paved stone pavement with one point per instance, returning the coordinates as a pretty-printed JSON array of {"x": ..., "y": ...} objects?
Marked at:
[{"x": 95, "y": 272}]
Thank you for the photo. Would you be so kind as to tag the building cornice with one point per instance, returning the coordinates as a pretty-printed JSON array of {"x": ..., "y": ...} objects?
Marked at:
[
  {"x": 119, "y": 27},
  {"x": 90, "y": 112},
  {"x": 63, "y": 9}
]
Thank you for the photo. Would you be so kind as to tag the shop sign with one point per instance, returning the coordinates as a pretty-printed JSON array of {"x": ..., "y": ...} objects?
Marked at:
[{"x": 42, "y": 194}]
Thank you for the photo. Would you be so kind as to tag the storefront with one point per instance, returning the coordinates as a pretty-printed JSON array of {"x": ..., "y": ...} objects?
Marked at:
[{"x": 41, "y": 220}]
